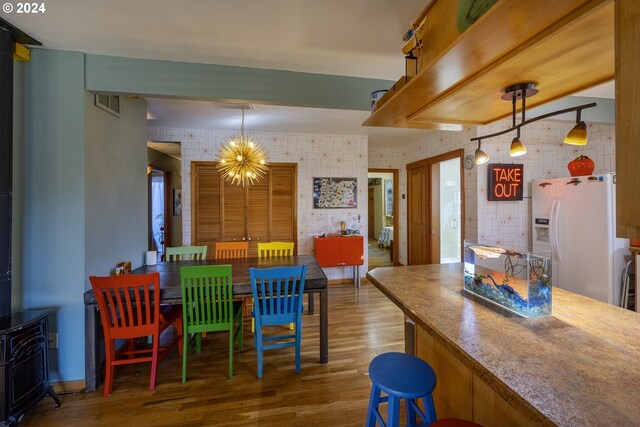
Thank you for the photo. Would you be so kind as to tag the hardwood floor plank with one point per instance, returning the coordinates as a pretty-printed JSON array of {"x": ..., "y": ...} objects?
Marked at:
[{"x": 362, "y": 324}]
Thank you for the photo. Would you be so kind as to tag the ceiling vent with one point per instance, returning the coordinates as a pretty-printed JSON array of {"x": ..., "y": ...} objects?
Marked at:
[
  {"x": 110, "y": 103},
  {"x": 232, "y": 106}
]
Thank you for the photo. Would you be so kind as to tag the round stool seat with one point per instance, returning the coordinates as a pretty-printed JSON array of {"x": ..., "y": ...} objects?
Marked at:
[
  {"x": 402, "y": 375},
  {"x": 451, "y": 422}
]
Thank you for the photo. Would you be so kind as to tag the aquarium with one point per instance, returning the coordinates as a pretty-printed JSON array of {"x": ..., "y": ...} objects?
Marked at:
[{"x": 517, "y": 281}]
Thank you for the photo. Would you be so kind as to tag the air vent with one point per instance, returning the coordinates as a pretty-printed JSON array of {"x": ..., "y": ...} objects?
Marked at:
[
  {"x": 110, "y": 103},
  {"x": 232, "y": 106}
]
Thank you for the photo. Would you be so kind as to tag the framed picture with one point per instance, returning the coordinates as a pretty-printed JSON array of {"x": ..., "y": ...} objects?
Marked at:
[
  {"x": 388, "y": 197},
  {"x": 335, "y": 193},
  {"x": 177, "y": 202}
]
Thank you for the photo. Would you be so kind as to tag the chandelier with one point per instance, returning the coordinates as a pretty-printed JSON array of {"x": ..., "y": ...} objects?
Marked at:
[{"x": 240, "y": 160}]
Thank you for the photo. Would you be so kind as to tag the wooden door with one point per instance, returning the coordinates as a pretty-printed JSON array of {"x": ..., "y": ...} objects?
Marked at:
[
  {"x": 258, "y": 215},
  {"x": 206, "y": 194},
  {"x": 234, "y": 215},
  {"x": 423, "y": 204},
  {"x": 371, "y": 213},
  {"x": 434, "y": 214},
  {"x": 283, "y": 204},
  {"x": 418, "y": 221},
  {"x": 264, "y": 211}
]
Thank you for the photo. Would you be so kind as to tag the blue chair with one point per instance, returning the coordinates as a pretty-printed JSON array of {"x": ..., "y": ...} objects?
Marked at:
[
  {"x": 401, "y": 376},
  {"x": 277, "y": 296}
]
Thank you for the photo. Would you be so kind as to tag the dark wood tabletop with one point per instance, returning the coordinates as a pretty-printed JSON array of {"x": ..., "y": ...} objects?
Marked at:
[{"x": 170, "y": 274}]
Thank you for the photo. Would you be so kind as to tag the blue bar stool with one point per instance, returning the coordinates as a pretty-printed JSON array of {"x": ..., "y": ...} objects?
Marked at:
[{"x": 401, "y": 376}]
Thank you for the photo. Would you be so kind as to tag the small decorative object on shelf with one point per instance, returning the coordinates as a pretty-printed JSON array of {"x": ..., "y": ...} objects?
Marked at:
[
  {"x": 580, "y": 166},
  {"x": 517, "y": 281}
]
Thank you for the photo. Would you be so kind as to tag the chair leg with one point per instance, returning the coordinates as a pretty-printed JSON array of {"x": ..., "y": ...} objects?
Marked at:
[
  {"x": 154, "y": 360},
  {"x": 180, "y": 332},
  {"x": 411, "y": 413},
  {"x": 231, "y": 341},
  {"x": 185, "y": 347},
  {"x": 109, "y": 368},
  {"x": 298, "y": 339},
  {"x": 258, "y": 342},
  {"x": 393, "y": 419},
  {"x": 374, "y": 402},
  {"x": 240, "y": 332}
]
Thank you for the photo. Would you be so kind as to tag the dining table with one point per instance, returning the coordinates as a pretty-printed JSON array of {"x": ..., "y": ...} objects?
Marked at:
[{"x": 171, "y": 293}]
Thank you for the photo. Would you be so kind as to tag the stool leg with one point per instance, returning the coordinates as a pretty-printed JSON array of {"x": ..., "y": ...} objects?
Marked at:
[
  {"x": 411, "y": 413},
  {"x": 393, "y": 420},
  {"x": 374, "y": 402},
  {"x": 429, "y": 409}
]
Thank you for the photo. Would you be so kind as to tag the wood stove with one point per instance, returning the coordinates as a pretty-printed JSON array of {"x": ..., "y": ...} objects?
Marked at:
[{"x": 24, "y": 364}]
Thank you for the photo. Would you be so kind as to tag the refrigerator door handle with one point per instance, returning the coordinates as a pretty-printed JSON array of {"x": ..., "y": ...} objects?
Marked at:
[{"x": 556, "y": 232}]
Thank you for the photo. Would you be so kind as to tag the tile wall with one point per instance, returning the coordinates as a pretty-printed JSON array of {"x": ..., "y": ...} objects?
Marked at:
[{"x": 317, "y": 155}]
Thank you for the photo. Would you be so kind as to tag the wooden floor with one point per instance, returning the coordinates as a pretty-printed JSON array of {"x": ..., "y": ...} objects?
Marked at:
[
  {"x": 378, "y": 257},
  {"x": 362, "y": 324}
]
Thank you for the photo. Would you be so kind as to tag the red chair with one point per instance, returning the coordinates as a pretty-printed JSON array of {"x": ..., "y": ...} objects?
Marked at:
[{"x": 130, "y": 309}]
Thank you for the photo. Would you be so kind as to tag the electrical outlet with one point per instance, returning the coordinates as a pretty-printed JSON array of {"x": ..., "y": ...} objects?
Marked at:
[{"x": 53, "y": 340}]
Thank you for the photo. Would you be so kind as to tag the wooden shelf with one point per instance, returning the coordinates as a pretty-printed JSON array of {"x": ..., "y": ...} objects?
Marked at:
[{"x": 564, "y": 46}]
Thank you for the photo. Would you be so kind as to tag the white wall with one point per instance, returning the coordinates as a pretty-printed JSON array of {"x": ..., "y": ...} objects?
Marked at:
[
  {"x": 316, "y": 155},
  {"x": 508, "y": 224},
  {"x": 502, "y": 223}
]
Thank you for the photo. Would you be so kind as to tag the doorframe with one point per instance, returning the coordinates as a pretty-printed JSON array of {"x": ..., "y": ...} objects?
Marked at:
[
  {"x": 168, "y": 206},
  {"x": 427, "y": 163},
  {"x": 396, "y": 211}
]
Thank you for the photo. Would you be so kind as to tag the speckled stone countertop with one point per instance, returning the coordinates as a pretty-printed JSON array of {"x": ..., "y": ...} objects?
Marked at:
[{"x": 578, "y": 367}]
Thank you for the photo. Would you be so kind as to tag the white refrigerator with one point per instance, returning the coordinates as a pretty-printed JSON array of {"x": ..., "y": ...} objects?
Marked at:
[{"x": 573, "y": 219}]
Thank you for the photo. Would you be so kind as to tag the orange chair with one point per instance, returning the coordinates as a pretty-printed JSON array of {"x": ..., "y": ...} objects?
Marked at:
[
  {"x": 130, "y": 309},
  {"x": 226, "y": 250}
]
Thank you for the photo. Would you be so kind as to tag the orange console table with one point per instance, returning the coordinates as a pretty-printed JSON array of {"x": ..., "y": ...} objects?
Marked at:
[{"x": 340, "y": 251}]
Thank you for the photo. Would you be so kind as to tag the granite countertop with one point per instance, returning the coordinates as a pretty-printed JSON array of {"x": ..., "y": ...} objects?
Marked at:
[{"x": 578, "y": 367}]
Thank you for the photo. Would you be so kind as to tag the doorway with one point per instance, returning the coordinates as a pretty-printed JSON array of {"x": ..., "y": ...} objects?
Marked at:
[
  {"x": 159, "y": 189},
  {"x": 435, "y": 191},
  {"x": 382, "y": 216}
]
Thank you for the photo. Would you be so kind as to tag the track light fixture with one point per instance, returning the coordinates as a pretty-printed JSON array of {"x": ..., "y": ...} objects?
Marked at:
[
  {"x": 577, "y": 135},
  {"x": 480, "y": 156},
  {"x": 522, "y": 91}
]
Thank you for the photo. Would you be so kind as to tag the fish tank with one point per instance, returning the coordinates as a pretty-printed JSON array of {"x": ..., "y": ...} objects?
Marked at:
[{"x": 517, "y": 281}]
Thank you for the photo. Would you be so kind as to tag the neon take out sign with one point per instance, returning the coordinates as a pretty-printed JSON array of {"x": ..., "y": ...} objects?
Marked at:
[{"x": 505, "y": 182}]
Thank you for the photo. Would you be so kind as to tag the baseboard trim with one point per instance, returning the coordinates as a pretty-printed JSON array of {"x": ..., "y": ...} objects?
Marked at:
[{"x": 69, "y": 386}]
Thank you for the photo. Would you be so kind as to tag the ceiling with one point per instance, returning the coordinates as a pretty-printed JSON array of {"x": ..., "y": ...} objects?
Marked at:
[{"x": 351, "y": 38}]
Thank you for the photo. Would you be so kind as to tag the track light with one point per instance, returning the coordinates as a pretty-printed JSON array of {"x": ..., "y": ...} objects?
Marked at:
[
  {"x": 517, "y": 147},
  {"x": 481, "y": 157},
  {"x": 577, "y": 135}
]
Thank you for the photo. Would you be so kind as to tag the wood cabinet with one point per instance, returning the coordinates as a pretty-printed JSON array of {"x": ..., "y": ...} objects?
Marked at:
[
  {"x": 339, "y": 251},
  {"x": 627, "y": 123},
  {"x": 262, "y": 212},
  {"x": 461, "y": 393},
  {"x": 563, "y": 45}
]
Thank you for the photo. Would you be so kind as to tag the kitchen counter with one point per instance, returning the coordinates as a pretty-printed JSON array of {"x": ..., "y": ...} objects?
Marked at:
[{"x": 578, "y": 367}]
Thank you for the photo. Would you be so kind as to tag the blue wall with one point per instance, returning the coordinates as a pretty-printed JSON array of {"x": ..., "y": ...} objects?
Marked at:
[{"x": 53, "y": 201}]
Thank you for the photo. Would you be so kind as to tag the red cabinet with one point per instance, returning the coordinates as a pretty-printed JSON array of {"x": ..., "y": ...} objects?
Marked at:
[{"x": 339, "y": 251}]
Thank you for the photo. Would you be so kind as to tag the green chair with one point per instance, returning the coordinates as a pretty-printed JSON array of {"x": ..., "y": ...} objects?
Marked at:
[
  {"x": 208, "y": 306},
  {"x": 186, "y": 253}
]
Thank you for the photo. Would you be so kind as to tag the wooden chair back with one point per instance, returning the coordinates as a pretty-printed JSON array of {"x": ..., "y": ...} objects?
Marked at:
[
  {"x": 228, "y": 250},
  {"x": 186, "y": 253},
  {"x": 207, "y": 298},
  {"x": 129, "y": 306},
  {"x": 275, "y": 249},
  {"x": 277, "y": 294}
]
